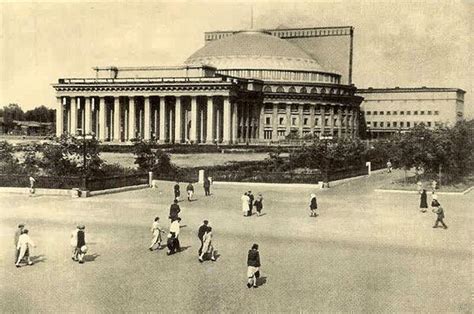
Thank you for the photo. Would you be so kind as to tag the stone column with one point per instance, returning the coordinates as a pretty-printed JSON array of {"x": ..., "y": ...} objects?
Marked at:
[
  {"x": 210, "y": 121},
  {"x": 312, "y": 118},
  {"x": 73, "y": 116},
  {"x": 162, "y": 138},
  {"x": 275, "y": 122},
  {"x": 59, "y": 116},
  {"x": 116, "y": 134},
  {"x": 201, "y": 124},
  {"x": 288, "y": 118},
  {"x": 102, "y": 114},
  {"x": 218, "y": 125},
  {"x": 241, "y": 120},
  {"x": 331, "y": 120},
  {"x": 300, "y": 112},
  {"x": 346, "y": 122},
  {"x": 178, "y": 131},
  {"x": 88, "y": 116},
  {"x": 248, "y": 113},
  {"x": 323, "y": 119},
  {"x": 261, "y": 123},
  {"x": 226, "y": 124},
  {"x": 234, "y": 122},
  {"x": 356, "y": 123},
  {"x": 339, "y": 120},
  {"x": 147, "y": 119},
  {"x": 194, "y": 120},
  {"x": 132, "y": 118},
  {"x": 170, "y": 125}
]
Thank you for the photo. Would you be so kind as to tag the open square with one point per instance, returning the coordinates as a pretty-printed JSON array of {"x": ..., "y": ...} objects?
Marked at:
[{"x": 365, "y": 252}]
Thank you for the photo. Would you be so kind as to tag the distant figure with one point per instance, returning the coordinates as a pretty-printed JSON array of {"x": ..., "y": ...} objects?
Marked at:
[
  {"x": 419, "y": 186},
  {"x": 423, "y": 201},
  {"x": 253, "y": 266},
  {"x": 207, "y": 246},
  {"x": 80, "y": 247},
  {"x": 17, "y": 237},
  {"x": 190, "y": 191},
  {"x": 174, "y": 210},
  {"x": 32, "y": 186},
  {"x": 175, "y": 228},
  {"x": 24, "y": 246},
  {"x": 259, "y": 204},
  {"x": 389, "y": 166},
  {"x": 245, "y": 203},
  {"x": 439, "y": 211},
  {"x": 201, "y": 232},
  {"x": 156, "y": 231},
  {"x": 251, "y": 198},
  {"x": 313, "y": 205},
  {"x": 434, "y": 186},
  {"x": 207, "y": 186},
  {"x": 177, "y": 192}
]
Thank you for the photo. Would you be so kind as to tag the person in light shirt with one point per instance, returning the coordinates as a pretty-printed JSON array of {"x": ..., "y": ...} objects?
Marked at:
[
  {"x": 24, "y": 244},
  {"x": 156, "y": 230},
  {"x": 174, "y": 229},
  {"x": 245, "y": 204}
]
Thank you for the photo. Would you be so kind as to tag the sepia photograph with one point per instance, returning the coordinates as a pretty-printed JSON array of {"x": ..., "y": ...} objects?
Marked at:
[{"x": 255, "y": 156}]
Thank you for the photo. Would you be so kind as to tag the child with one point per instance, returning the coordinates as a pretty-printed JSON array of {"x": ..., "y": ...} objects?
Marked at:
[{"x": 156, "y": 231}]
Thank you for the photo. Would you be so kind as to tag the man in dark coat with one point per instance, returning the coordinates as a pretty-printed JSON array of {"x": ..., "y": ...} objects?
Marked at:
[
  {"x": 202, "y": 230},
  {"x": 174, "y": 210},
  {"x": 207, "y": 186},
  {"x": 251, "y": 198},
  {"x": 253, "y": 266},
  {"x": 438, "y": 210},
  {"x": 423, "y": 201},
  {"x": 177, "y": 192},
  {"x": 81, "y": 242}
]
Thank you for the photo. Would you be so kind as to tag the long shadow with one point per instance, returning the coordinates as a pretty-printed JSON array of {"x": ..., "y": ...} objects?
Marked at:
[
  {"x": 38, "y": 259},
  {"x": 262, "y": 214},
  {"x": 261, "y": 281},
  {"x": 91, "y": 257}
]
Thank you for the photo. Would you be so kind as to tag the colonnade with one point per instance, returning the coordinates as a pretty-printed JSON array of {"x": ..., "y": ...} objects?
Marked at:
[{"x": 166, "y": 119}]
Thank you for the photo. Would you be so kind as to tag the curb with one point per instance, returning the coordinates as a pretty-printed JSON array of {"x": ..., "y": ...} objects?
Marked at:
[
  {"x": 416, "y": 192},
  {"x": 55, "y": 192},
  {"x": 118, "y": 190}
]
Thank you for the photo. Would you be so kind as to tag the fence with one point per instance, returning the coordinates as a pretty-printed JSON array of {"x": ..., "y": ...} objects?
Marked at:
[
  {"x": 105, "y": 183},
  {"x": 268, "y": 177}
]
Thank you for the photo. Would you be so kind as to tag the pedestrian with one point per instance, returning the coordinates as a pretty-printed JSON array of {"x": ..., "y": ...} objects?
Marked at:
[
  {"x": 313, "y": 205},
  {"x": 201, "y": 231},
  {"x": 175, "y": 228},
  {"x": 389, "y": 166},
  {"x": 190, "y": 191},
  {"x": 207, "y": 186},
  {"x": 251, "y": 198},
  {"x": 24, "y": 246},
  {"x": 434, "y": 186},
  {"x": 439, "y": 211},
  {"x": 207, "y": 246},
  {"x": 253, "y": 266},
  {"x": 174, "y": 210},
  {"x": 434, "y": 199},
  {"x": 80, "y": 248},
  {"x": 423, "y": 201},
  {"x": 245, "y": 204},
  {"x": 17, "y": 237},
  {"x": 156, "y": 230},
  {"x": 177, "y": 192},
  {"x": 32, "y": 186},
  {"x": 171, "y": 243},
  {"x": 259, "y": 204}
]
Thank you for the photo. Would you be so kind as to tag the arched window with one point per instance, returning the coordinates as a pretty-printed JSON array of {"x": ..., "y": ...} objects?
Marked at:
[
  {"x": 267, "y": 89},
  {"x": 303, "y": 90},
  {"x": 323, "y": 91},
  {"x": 280, "y": 89},
  {"x": 292, "y": 90},
  {"x": 314, "y": 90}
]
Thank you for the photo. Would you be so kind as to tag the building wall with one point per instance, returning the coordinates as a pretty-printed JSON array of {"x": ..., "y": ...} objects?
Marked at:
[{"x": 391, "y": 110}]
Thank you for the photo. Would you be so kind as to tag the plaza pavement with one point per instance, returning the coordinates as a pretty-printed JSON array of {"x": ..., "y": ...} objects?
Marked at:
[{"x": 366, "y": 252}]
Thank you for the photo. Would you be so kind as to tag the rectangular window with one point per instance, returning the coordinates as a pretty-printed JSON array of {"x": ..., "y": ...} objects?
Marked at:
[
  {"x": 430, "y": 112},
  {"x": 388, "y": 113},
  {"x": 305, "y": 121},
  {"x": 394, "y": 124},
  {"x": 293, "y": 121},
  {"x": 267, "y": 120},
  {"x": 381, "y": 113},
  {"x": 316, "y": 121},
  {"x": 367, "y": 113},
  {"x": 395, "y": 113},
  {"x": 436, "y": 112},
  {"x": 402, "y": 113},
  {"x": 267, "y": 134},
  {"x": 402, "y": 124},
  {"x": 429, "y": 123},
  {"x": 408, "y": 124},
  {"x": 281, "y": 121},
  {"x": 415, "y": 112},
  {"x": 381, "y": 124},
  {"x": 375, "y": 113},
  {"x": 375, "y": 124},
  {"x": 408, "y": 113},
  {"x": 422, "y": 112},
  {"x": 388, "y": 124},
  {"x": 326, "y": 121}
]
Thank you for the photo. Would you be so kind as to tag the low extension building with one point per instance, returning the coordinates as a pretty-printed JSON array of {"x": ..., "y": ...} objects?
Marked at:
[
  {"x": 241, "y": 87},
  {"x": 395, "y": 110}
]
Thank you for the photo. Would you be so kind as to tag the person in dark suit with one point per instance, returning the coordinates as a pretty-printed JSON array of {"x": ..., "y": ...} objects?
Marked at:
[
  {"x": 313, "y": 205},
  {"x": 174, "y": 210},
  {"x": 177, "y": 192},
  {"x": 253, "y": 266},
  {"x": 207, "y": 186},
  {"x": 251, "y": 198},
  {"x": 438, "y": 210},
  {"x": 201, "y": 232},
  {"x": 423, "y": 201}
]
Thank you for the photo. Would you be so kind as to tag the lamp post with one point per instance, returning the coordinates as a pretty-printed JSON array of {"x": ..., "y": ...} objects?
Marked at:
[
  {"x": 325, "y": 139},
  {"x": 85, "y": 138}
]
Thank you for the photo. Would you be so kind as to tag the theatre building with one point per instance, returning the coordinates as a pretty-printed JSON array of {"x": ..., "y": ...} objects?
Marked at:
[{"x": 241, "y": 87}]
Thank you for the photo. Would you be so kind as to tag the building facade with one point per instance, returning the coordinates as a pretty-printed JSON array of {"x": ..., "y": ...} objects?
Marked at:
[
  {"x": 245, "y": 87},
  {"x": 394, "y": 110}
]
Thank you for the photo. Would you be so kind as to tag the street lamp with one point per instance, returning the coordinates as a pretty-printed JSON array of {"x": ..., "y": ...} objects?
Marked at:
[
  {"x": 85, "y": 138},
  {"x": 325, "y": 139}
]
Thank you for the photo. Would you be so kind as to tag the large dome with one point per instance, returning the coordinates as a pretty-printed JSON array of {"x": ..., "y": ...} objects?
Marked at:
[{"x": 254, "y": 50}]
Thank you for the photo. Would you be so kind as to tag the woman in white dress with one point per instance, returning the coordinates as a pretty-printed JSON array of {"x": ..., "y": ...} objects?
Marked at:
[{"x": 207, "y": 247}]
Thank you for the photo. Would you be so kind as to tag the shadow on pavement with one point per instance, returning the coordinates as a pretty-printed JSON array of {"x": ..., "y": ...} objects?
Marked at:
[{"x": 91, "y": 257}]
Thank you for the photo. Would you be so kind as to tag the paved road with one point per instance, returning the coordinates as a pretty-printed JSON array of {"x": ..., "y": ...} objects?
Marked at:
[{"x": 366, "y": 252}]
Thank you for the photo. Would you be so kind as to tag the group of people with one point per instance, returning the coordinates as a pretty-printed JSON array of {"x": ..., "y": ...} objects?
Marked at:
[
  {"x": 435, "y": 208},
  {"x": 249, "y": 202},
  {"x": 190, "y": 189}
]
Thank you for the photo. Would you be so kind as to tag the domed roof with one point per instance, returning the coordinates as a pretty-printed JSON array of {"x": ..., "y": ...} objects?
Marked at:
[{"x": 254, "y": 50}]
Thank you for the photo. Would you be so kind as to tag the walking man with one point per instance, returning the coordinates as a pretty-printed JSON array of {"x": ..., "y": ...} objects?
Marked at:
[
  {"x": 17, "y": 237},
  {"x": 253, "y": 266},
  {"x": 259, "y": 204},
  {"x": 207, "y": 186},
  {"x": 24, "y": 245},
  {"x": 156, "y": 231},
  {"x": 313, "y": 205},
  {"x": 251, "y": 198},
  {"x": 423, "y": 201},
  {"x": 201, "y": 231},
  {"x": 174, "y": 229},
  {"x": 177, "y": 192},
  {"x": 32, "y": 185},
  {"x": 190, "y": 191},
  {"x": 438, "y": 210},
  {"x": 174, "y": 210},
  {"x": 207, "y": 247}
]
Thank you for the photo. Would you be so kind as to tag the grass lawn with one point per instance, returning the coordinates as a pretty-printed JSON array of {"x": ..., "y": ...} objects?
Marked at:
[{"x": 366, "y": 252}]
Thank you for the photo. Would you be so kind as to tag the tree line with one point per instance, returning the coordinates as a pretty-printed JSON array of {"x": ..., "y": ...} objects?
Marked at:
[{"x": 14, "y": 112}]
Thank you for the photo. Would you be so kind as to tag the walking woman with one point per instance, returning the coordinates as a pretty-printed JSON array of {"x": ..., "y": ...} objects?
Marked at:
[
  {"x": 313, "y": 205},
  {"x": 423, "y": 201},
  {"x": 259, "y": 204},
  {"x": 207, "y": 247}
]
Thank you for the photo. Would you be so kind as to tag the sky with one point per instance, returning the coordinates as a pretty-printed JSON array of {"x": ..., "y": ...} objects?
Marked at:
[{"x": 397, "y": 43}]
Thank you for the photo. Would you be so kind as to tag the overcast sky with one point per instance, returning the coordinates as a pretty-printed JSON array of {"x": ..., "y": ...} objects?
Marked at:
[{"x": 407, "y": 44}]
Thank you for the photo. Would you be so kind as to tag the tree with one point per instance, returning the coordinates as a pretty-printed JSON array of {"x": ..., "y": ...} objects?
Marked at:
[
  {"x": 11, "y": 113},
  {"x": 158, "y": 162},
  {"x": 41, "y": 114},
  {"x": 8, "y": 161}
]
